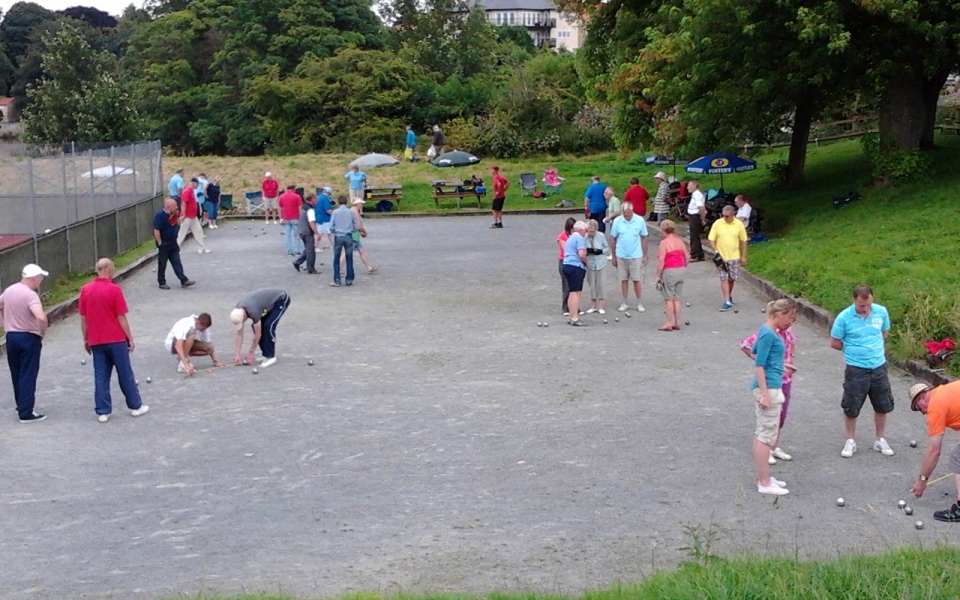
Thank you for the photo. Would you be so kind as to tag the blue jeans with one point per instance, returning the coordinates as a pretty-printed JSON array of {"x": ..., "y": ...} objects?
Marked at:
[
  {"x": 343, "y": 242},
  {"x": 23, "y": 356},
  {"x": 268, "y": 326},
  {"x": 290, "y": 238},
  {"x": 105, "y": 358}
]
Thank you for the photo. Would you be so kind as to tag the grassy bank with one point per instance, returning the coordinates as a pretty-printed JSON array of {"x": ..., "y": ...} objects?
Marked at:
[{"x": 907, "y": 573}]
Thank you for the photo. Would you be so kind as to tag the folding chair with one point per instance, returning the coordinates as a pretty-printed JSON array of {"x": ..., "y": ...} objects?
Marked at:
[
  {"x": 528, "y": 184},
  {"x": 255, "y": 203},
  {"x": 552, "y": 182},
  {"x": 226, "y": 202}
]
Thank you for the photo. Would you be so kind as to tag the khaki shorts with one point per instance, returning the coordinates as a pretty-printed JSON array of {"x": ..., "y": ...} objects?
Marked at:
[
  {"x": 269, "y": 203},
  {"x": 356, "y": 194},
  {"x": 630, "y": 269},
  {"x": 768, "y": 421},
  {"x": 672, "y": 283}
]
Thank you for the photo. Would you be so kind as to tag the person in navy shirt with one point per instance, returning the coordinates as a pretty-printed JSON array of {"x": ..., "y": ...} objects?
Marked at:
[
  {"x": 595, "y": 203},
  {"x": 165, "y": 230},
  {"x": 859, "y": 331}
]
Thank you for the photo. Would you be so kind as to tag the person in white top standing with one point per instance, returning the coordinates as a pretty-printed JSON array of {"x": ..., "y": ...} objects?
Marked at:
[
  {"x": 190, "y": 336},
  {"x": 697, "y": 219},
  {"x": 744, "y": 212}
]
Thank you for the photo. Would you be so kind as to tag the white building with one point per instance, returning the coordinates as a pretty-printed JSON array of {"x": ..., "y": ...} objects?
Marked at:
[{"x": 545, "y": 24}]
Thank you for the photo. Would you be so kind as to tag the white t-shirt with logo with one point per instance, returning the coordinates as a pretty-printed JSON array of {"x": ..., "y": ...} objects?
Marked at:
[{"x": 182, "y": 329}]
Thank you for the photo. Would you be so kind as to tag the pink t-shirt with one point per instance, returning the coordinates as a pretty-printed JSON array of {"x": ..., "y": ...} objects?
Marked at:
[
  {"x": 15, "y": 302},
  {"x": 789, "y": 343},
  {"x": 562, "y": 238}
]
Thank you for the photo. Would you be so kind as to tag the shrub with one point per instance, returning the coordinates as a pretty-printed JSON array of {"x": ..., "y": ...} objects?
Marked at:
[{"x": 895, "y": 165}]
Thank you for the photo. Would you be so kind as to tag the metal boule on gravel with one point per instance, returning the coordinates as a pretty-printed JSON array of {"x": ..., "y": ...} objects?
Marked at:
[
  {"x": 840, "y": 502},
  {"x": 918, "y": 524},
  {"x": 913, "y": 443},
  {"x": 763, "y": 310},
  {"x": 255, "y": 370},
  {"x": 736, "y": 310},
  {"x": 149, "y": 380},
  {"x": 604, "y": 321},
  {"x": 310, "y": 362},
  {"x": 83, "y": 361},
  {"x": 901, "y": 503},
  {"x": 627, "y": 315},
  {"x": 545, "y": 324},
  {"x": 539, "y": 324},
  {"x": 688, "y": 305},
  {"x": 907, "y": 510},
  {"x": 616, "y": 319},
  {"x": 686, "y": 322}
]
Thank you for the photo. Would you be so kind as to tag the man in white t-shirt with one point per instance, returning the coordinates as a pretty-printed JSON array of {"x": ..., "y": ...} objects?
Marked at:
[
  {"x": 190, "y": 336},
  {"x": 697, "y": 219},
  {"x": 744, "y": 212}
]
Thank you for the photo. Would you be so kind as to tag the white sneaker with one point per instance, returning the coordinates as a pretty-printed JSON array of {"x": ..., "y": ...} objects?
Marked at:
[
  {"x": 268, "y": 362},
  {"x": 778, "y": 453},
  {"x": 883, "y": 447},
  {"x": 622, "y": 307},
  {"x": 590, "y": 311},
  {"x": 206, "y": 250},
  {"x": 143, "y": 410},
  {"x": 103, "y": 418},
  {"x": 181, "y": 368},
  {"x": 779, "y": 482},
  {"x": 771, "y": 460},
  {"x": 602, "y": 312},
  {"x": 566, "y": 314},
  {"x": 199, "y": 250},
  {"x": 849, "y": 448},
  {"x": 772, "y": 489},
  {"x": 640, "y": 307}
]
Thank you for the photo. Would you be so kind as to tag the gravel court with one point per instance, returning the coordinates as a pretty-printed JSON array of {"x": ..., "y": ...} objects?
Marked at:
[{"x": 441, "y": 442}]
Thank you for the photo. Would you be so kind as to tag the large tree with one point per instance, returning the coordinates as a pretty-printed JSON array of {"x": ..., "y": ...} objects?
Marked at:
[{"x": 81, "y": 96}]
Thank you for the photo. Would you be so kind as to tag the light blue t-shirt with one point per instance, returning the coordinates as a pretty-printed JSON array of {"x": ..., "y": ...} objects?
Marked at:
[
  {"x": 862, "y": 337},
  {"x": 175, "y": 186},
  {"x": 202, "y": 190},
  {"x": 411, "y": 139},
  {"x": 596, "y": 203},
  {"x": 571, "y": 254},
  {"x": 356, "y": 179},
  {"x": 323, "y": 205},
  {"x": 628, "y": 234},
  {"x": 770, "y": 351}
]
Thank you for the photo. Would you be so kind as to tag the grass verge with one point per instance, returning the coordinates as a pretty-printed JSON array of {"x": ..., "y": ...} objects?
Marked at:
[{"x": 932, "y": 574}]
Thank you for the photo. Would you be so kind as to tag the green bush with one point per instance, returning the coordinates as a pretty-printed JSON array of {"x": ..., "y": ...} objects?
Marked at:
[{"x": 894, "y": 166}]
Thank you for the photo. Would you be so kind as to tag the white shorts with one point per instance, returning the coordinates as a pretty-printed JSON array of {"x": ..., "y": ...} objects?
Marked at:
[
  {"x": 323, "y": 228},
  {"x": 270, "y": 203},
  {"x": 356, "y": 194}
]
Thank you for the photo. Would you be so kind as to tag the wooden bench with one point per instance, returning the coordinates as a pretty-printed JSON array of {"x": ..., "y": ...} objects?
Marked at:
[
  {"x": 383, "y": 192},
  {"x": 455, "y": 189}
]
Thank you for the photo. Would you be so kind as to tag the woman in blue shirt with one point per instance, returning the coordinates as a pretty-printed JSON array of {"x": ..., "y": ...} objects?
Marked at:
[
  {"x": 575, "y": 269},
  {"x": 358, "y": 180},
  {"x": 768, "y": 377}
]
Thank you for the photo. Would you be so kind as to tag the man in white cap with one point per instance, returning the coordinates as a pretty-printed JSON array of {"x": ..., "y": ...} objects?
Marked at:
[
  {"x": 271, "y": 195},
  {"x": 661, "y": 204},
  {"x": 107, "y": 336},
  {"x": 264, "y": 308},
  {"x": 942, "y": 407},
  {"x": 190, "y": 336},
  {"x": 25, "y": 324}
]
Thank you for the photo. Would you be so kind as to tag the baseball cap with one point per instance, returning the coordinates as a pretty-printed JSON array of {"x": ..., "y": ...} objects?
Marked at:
[
  {"x": 237, "y": 317},
  {"x": 660, "y": 175},
  {"x": 268, "y": 174},
  {"x": 915, "y": 391},
  {"x": 359, "y": 201},
  {"x": 33, "y": 270},
  {"x": 327, "y": 190}
]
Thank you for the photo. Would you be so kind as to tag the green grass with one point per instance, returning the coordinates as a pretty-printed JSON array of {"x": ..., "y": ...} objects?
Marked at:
[
  {"x": 902, "y": 574},
  {"x": 67, "y": 286}
]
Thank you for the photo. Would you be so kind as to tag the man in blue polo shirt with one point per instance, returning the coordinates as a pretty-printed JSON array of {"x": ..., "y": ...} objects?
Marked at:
[
  {"x": 628, "y": 244},
  {"x": 323, "y": 211},
  {"x": 859, "y": 331},
  {"x": 595, "y": 203},
  {"x": 176, "y": 185}
]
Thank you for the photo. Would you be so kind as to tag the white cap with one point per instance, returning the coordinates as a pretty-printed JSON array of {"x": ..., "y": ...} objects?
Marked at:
[
  {"x": 660, "y": 175},
  {"x": 237, "y": 317},
  {"x": 359, "y": 201},
  {"x": 33, "y": 270},
  {"x": 327, "y": 190},
  {"x": 268, "y": 174}
]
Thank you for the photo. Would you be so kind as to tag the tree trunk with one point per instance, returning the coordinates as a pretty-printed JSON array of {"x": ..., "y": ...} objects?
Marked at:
[
  {"x": 931, "y": 95},
  {"x": 903, "y": 111},
  {"x": 802, "y": 118}
]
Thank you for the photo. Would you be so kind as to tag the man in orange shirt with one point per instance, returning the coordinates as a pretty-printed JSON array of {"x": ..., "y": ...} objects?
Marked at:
[{"x": 942, "y": 407}]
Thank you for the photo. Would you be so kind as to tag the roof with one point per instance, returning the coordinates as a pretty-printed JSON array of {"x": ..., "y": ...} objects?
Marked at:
[
  {"x": 7, "y": 100},
  {"x": 516, "y": 4}
]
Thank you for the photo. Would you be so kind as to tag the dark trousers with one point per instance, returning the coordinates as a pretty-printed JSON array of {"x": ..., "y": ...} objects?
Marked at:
[
  {"x": 343, "y": 242},
  {"x": 23, "y": 356},
  {"x": 565, "y": 287},
  {"x": 696, "y": 230},
  {"x": 169, "y": 251},
  {"x": 598, "y": 217},
  {"x": 309, "y": 253},
  {"x": 268, "y": 324},
  {"x": 105, "y": 358}
]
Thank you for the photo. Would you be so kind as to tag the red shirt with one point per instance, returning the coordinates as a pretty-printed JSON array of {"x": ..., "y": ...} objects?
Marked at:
[
  {"x": 290, "y": 205},
  {"x": 188, "y": 203},
  {"x": 101, "y": 302},
  {"x": 499, "y": 186},
  {"x": 270, "y": 187},
  {"x": 637, "y": 196}
]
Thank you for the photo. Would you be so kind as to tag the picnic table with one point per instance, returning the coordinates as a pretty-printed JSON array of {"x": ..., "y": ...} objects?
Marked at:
[
  {"x": 377, "y": 193},
  {"x": 456, "y": 189}
]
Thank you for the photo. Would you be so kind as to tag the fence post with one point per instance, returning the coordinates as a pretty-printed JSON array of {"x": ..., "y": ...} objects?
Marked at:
[
  {"x": 33, "y": 209},
  {"x": 93, "y": 203},
  {"x": 116, "y": 198},
  {"x": 66, "y": 210},
  {"x": 136, "y": 193}
]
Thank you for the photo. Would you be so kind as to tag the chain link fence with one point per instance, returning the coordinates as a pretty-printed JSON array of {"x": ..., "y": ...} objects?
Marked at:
[{"x": 63, "y": 206}]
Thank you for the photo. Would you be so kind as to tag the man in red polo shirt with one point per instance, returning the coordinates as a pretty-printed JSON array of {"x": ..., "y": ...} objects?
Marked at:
[
  {"x": 106, "y": 335},
  {"x": 290, "y": 203},
  {"x": 190, "y": 211},
  {"x": 500, "y": 185},
  {"x": 271, "y": 189},
  {"x": 637, "y": 195}
]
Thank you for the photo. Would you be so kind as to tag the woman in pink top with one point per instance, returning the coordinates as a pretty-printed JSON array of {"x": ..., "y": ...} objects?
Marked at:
[
  {"x": 561, "y": 240},
  {"x": 672, "y": 258},
  {"x": 790, "y": 343}
]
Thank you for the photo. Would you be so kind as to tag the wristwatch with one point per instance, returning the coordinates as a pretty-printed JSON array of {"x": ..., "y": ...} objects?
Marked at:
[{"x": 923, "y": 478}]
